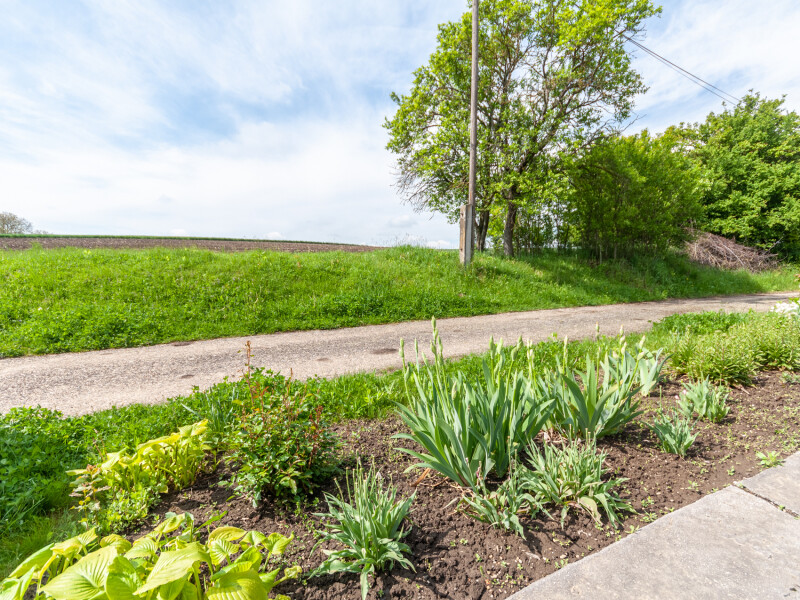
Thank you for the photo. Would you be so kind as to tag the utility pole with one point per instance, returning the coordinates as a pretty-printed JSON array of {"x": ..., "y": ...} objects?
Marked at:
[{"x": 467, "y": 241}]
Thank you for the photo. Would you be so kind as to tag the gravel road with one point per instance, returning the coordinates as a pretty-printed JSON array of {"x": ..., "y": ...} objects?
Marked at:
[{"x": 88, "y": 381}]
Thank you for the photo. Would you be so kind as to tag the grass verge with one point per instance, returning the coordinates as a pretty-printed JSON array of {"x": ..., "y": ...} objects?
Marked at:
[{"x": 70, "y": 300}]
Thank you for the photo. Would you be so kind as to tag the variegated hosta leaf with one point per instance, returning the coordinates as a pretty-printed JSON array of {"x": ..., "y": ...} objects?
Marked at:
[
  {"x": 253, "y": 538},
  {"x": 250, "y": 557},
  {"x": 170, "y": 524},
  {"x": 277, "y": 543},
  {"x": 221, "y": 550},
  {"x": 123, "y": 580},
  {"x": 75, "y": 544},
  {"x": 145, "y": 547},
  {"x": 117, "y": 541},
  {"x": 35, "y": 561},
  {"x": 15, "y": 588},
  {"x": 174, "y": 566},
  {"x": 86, "y": 579},
  {"x": 238, "y": 586},
  {"x": 229, "y": 534}
]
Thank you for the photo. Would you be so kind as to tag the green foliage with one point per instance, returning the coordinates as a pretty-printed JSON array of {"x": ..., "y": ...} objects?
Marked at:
[
  {"x": 120, "y": 490},
  {"x": 70, "y": 300},
  {"x": 368, "y": 525},
  {"x": 572, "y": 477},
  {"x": 769, "y": 459},
  {"x": 283, "y": 446},
  {"x": 502, "y": 507},
  {"x": 674, "y": 433},
  {"x": 734, "y": 354},
  {"x": 571, "y": 50},
  {"x": 698, "y": 323},
  {"x": 169, "y": 562},
  {"x": 590, "y": 406},
  {"x": 619, "y": 185},
  {"x": 704, "y": 399},
  {"x": 467, "y": 430},
  {"x": 751, "y": 155}
]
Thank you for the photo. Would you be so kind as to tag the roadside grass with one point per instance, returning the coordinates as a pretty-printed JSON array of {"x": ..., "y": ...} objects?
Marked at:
[
  {"x": 37, "y": 446},
  {"x": 69, "y": 300}
]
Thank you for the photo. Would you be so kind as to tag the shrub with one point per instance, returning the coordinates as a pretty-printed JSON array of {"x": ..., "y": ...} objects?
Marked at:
[
  {"x": 572, "y": 477},
  {"x": 469, "y": 431},
  {"x": 156, "y": 565},
  {"x": 703, "y": 398},
  {"x": 674, "y": 433},
  {"x": 283, "y": 446},
  {"x": 368, "y": 525}
]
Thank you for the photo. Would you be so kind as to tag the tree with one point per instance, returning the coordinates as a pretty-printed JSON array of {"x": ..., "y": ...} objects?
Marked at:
[
  {"x": 554, "y": 74},
  {"x": 11, "y": 223},
  {"x": 751, "y": 153},
  {"x": 633, "y": 194}
]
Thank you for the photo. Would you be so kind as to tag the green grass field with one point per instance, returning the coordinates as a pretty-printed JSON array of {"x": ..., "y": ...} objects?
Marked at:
[{"x": 69, "y": 300}]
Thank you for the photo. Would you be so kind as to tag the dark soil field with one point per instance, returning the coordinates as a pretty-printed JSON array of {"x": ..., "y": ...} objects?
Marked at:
[
  {"x": 458, "y": 557},
  {"x": 220, "y": 245}
]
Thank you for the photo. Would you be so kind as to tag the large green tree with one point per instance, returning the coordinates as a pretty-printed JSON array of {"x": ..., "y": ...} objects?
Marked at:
[
  {"x": 554, "y": 74},
  {"x": 632, "y": 194},
  {"x": 751, "y": 153}
]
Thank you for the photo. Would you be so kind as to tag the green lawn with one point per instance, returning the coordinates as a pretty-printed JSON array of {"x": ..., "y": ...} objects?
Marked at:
[{"x": 68, "y": 300}]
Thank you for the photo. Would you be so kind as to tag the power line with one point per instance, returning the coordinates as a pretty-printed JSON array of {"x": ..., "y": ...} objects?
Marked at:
[{"x": 709, "y": 87}]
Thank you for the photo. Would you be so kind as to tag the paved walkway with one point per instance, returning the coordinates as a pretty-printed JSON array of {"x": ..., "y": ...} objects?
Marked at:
[
  {"x": 736, "y": 543},
  {"x": 88, "y": 381}
]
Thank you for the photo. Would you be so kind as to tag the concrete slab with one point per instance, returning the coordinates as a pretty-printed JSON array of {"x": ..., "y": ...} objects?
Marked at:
[
  {"x": 780, "y": 485},
  {"x": 727, "y": 545}
]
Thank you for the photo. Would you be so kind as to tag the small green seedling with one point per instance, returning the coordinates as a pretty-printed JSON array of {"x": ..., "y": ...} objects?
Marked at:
[{"x": 770, "y": 459}]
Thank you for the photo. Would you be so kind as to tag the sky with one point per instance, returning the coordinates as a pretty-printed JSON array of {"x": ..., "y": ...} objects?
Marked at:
[{"x": 263, "y": 119}]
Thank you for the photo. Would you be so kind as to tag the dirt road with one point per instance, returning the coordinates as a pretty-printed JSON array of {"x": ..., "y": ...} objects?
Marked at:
[{"x": 89, "y": 381}]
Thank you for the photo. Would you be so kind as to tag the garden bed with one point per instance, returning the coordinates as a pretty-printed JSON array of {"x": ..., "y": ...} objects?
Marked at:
[{"x": 456, "y": 556}]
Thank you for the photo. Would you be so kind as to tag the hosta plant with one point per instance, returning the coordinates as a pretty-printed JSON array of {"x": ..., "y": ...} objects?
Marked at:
[
  {"x": 674, "y": 433},
  {"x": 571, "y": 477},
  {"x": 120, "y": 490},
  {"x": 168, "y": 563},
  {"x": 369, "y": 524},
  {"x": 468, "y": 431},
  {"x": 703, "y": 398}
]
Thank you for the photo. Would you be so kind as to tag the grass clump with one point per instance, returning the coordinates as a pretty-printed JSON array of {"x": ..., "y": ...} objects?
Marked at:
[
  {"x": 502, "y": 507},
  {"x": 674, "y": 433},
  {"x": 369, "y": 525},
  {"x": 69, "y": 299},
  {"x": 708, "y": 401}
]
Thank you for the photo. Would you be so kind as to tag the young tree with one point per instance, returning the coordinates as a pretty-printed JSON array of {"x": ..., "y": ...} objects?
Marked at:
[
  {"x": 11, "y": 223},
  {"x": 751, "y": 153},
  {"x": 633, "y": 194},
  {"x": 554, "y": 74}
]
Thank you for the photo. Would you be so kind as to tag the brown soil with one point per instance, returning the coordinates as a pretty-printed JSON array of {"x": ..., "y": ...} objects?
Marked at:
[
  {"x": 458, "y": 557},
  {"x": 24, "y": 243}
]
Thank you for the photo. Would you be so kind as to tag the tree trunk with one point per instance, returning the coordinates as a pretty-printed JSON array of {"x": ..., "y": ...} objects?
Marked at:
[
  {"x": 481, "y": 230},
  {"x": 508, "y": 229}
]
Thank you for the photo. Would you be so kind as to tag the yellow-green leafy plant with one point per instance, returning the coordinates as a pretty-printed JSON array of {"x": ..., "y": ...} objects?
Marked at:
[
  {"x": 703, "y": 398},
  {"x": 674, "y": 433},
  {"x": 167, "y": 563},
  {"x": 120, "y": 490}
]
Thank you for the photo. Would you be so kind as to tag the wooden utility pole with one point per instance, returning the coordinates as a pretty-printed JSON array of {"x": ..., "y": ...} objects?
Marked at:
[{"x": 467, "y": 241}]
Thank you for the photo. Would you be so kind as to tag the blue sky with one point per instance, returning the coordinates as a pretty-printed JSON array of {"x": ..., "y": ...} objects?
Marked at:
[{"x": 257, "y": 118}]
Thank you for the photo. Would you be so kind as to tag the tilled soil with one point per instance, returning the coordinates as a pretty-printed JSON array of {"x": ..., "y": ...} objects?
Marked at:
[
  {"x": 456, "y": 556},
  {"x": 24, "y": 243}
]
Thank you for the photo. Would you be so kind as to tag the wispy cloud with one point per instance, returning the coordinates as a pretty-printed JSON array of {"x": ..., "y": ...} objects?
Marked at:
[{"x": 239, "y": 117}]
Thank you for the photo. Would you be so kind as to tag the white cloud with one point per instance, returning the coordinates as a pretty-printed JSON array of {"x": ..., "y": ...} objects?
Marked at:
[
  {"x": 178, "y": 232},
  {"x": 274, "y": 235},
  {"x": 236, "y": 117}
]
